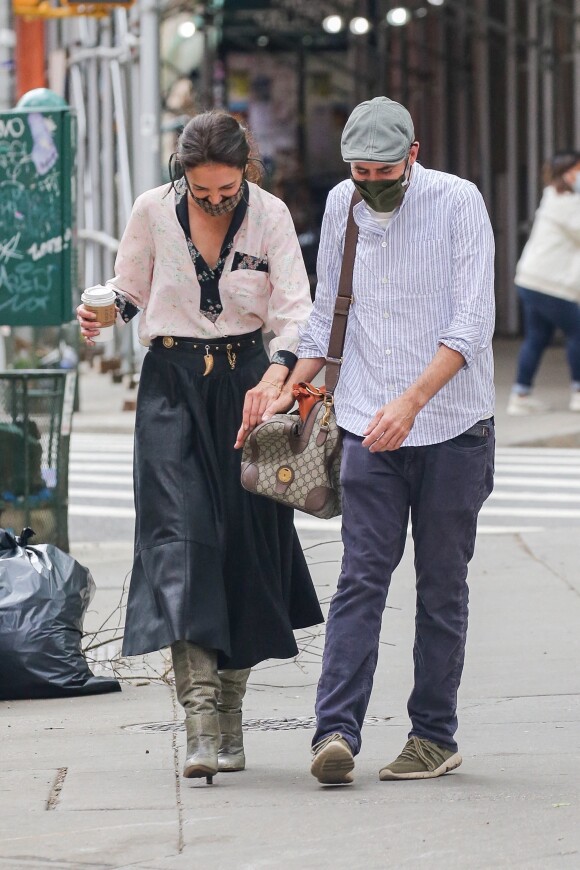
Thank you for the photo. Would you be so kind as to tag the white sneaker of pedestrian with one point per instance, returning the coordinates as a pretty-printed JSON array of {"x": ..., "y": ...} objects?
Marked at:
[
  {"x": 520, "y": 406},
  {"x": 574, "y": 401}
]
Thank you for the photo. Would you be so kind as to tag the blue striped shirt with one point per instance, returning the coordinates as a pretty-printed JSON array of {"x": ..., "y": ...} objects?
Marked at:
[{"x": 426, "y": 280}]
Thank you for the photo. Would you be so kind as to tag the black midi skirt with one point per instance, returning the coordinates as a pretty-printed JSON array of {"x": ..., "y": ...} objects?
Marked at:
[{"x": 214, "y": 564}]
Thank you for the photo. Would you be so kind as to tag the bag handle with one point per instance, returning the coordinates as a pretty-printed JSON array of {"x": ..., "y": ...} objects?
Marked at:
[{"x": 342, "y": 304}]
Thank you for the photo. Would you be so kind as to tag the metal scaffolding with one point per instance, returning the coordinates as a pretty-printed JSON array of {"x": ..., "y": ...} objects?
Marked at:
[{"x": 493, "y": 86}]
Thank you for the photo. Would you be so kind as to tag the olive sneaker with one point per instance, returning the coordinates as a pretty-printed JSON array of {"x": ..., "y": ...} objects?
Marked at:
[
  {"x": 333, "y": 761},
  {"x": 421, "y": 759}
]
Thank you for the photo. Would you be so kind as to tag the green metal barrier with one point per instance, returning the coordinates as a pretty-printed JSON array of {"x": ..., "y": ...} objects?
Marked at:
[{"x": 36, "y": 408}]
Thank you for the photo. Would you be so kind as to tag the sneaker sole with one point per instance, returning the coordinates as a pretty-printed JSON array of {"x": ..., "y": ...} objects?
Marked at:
[
  {"x": 333, "y": 765},
  {"x": 526, "y": 412},
  {"x": 450, "y": 764}
]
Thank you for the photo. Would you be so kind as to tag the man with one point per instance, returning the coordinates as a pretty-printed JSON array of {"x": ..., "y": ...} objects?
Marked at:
[{"x": 415, "y": 401}]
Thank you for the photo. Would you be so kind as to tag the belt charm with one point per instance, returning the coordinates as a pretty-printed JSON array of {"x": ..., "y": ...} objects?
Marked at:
[
  {"x": 208, "y": 360},
  {"x": 231, "y": 356}
]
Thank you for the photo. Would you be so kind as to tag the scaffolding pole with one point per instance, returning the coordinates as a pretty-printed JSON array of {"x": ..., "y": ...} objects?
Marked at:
[
  {"x": 532, "y": 107},
  {"x": 7, "y": 45},
  {"x": 547, "y": 81},
  {"x": 511, "y": 308},
  {"x": 576, "y": 69},
  {"x": 108, "y": 147},
  {"x": 482, "y": 99},
  {"x": 149, "y": 146}
]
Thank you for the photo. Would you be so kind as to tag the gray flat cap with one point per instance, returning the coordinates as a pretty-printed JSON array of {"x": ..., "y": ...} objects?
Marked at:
[{"x": 379, "y": 129}]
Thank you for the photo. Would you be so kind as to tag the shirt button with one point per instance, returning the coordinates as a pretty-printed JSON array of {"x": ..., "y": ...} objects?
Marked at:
[
  {"x": 388, "y": 351},
  {"x": 383, "y": 244},
  {"x": 385, "y": 280},
  {"x": 390, "y": 386},
  {"x": 386, "y": 314}
]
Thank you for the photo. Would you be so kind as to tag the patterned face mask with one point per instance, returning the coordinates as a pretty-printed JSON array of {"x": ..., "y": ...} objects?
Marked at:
[{"x": 226, "y": 206}]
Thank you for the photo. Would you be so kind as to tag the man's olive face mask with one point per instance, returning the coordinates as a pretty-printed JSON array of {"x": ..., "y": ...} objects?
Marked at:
[{"x": 384, "y": 196}]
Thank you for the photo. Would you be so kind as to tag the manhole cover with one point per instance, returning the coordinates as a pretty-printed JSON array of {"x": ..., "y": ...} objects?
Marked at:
[{"x": 282, "y": 724}]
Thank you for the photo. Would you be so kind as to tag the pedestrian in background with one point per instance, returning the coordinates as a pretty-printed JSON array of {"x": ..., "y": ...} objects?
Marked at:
[
  {"x": 415, "y": 401},
  {"x": 219, "y": 576},
  {"x": 548, "y": 283}
]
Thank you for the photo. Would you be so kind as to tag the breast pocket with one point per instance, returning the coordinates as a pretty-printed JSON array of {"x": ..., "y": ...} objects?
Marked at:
[
  {"x": 246, "y": 287},
  {"x": 422, "y": 268},
  {"x": 247, "y": 262}
]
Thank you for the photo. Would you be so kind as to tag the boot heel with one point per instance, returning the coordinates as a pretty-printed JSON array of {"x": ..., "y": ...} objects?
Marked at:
[{"x": 209, "y": 780}]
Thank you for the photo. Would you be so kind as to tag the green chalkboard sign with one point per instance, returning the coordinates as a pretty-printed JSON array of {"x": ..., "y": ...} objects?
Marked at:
[{"x": 37, "y": 207}]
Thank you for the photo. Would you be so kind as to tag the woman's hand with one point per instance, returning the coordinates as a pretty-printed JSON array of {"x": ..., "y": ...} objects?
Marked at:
[
  {"x": 257, "y": 400},
  {"x": 88, "y": 322}
]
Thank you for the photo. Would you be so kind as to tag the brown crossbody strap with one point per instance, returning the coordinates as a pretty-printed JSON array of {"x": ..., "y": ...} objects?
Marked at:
[{"x": 343, "y": 301}]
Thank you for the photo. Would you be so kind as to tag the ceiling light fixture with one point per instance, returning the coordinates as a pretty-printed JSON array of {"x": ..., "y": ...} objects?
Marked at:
[
  {"x": 333, "y": 24},
  {"x": 398, "y": 16},
  {"x": 359, "y": 25}
]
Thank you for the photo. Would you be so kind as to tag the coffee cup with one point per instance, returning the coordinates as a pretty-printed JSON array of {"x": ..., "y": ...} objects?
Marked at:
[{"x": 101, "y": 301}]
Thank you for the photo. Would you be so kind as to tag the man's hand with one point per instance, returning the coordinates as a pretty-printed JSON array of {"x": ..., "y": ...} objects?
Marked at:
[
  {"x": 280, "y": 405},
  {"x": 391, "y": 425},
  {"x": 393, "y": 422}
]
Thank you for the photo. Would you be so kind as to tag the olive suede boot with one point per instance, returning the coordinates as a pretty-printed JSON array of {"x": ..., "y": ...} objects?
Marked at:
[
  {"x": 197, "y": 686},
  {"x": 231, "y": 756}
]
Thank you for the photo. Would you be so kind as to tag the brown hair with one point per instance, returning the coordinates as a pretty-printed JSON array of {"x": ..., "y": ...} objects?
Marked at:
[
  {"x": 554, "y": 170},
  {"x": 215, "y": 137}
]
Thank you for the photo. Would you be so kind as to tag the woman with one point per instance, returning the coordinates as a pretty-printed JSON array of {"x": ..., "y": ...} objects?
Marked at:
[
  {"x": 219, "y": 575},
  {"x": 548, "y": 282}
]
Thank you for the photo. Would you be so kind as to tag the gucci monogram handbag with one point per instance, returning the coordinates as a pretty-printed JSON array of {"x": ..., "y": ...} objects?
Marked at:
[{"x": 295, "y": 458}]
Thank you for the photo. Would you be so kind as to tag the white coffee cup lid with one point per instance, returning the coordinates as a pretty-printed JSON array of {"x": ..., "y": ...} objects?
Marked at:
[{"x": 98, "y": 295}]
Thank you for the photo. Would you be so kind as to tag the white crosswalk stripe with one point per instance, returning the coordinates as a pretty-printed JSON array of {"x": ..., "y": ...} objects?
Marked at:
[{"x": 534, "y": 487}]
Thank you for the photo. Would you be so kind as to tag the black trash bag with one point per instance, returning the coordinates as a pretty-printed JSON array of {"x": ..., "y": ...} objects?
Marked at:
[{"x": 44, "y": 595}]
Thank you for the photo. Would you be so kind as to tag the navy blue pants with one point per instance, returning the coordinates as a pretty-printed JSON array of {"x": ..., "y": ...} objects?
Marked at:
[
  {"x": 442, "y": 487},
  {"x": 543, "y": 314}
]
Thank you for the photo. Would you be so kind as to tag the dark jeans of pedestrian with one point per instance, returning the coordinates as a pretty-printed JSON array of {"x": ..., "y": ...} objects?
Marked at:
[
  {"x": 544, "y": 314},
  {"x": 442, "y": 487}
]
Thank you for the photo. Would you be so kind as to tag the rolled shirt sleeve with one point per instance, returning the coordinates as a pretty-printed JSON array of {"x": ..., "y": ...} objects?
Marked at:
[
  {"x": 134, "y": 263},
  {"x": 290, "y": 303},
  {"x": 472, "y": 278}
]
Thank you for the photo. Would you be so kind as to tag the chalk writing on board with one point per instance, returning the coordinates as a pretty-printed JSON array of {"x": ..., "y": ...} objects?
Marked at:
[
  {"x": 12, "y": 127},
  {"x": 25, "y": 287},
  {"x": 51, "y": 246},
  {"x": 9, "y": 249},
  {"x": 35, "y": 214}
]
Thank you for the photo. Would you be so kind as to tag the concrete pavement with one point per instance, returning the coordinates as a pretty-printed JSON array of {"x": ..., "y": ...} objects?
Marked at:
[{"x": 94, "y": 782}]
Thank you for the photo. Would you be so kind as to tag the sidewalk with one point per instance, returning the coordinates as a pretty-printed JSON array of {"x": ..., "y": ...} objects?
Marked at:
[{"x": 94, "y": 782}]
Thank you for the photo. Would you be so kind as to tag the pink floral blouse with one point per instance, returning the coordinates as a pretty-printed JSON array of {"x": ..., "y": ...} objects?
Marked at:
[{"x": 155, "y": 272}]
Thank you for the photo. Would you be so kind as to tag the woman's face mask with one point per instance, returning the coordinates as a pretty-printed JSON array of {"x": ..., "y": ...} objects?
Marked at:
[
  {"x": 384, "y": 196},
  {"x": 227, "y": 205},
  {"x": 215, "y": 180}
]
